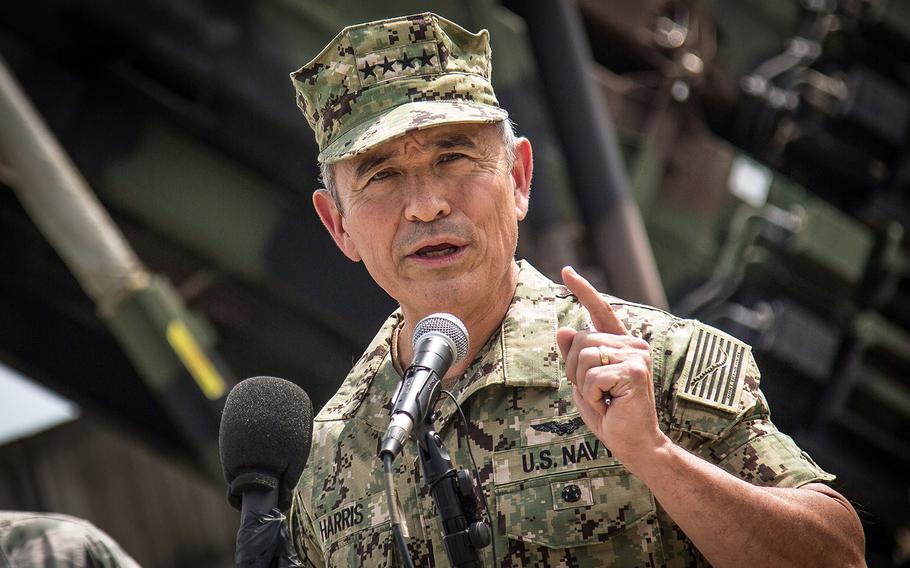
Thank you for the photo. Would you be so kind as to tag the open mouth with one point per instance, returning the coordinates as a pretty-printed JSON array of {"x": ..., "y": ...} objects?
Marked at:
[{"x": 436, "y": 251}]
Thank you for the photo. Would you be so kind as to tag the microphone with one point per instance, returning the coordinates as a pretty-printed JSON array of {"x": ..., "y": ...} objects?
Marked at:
[
  {"x": 439, "y": 340},
  {"x": 264, "y": 441}
]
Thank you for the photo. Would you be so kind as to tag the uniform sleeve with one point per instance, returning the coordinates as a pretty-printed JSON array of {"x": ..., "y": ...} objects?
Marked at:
[
  {"x": 753, "y": 449},
  {"x": 718, "y": 412},
  {"x": 302, "y": 531}
]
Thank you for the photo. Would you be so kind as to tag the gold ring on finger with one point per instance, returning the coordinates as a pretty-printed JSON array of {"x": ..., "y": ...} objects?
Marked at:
[{"x": 604, "y": 355}]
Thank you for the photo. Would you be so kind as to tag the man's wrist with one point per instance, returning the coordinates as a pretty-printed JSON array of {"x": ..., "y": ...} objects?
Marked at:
[{"x": 658, "y": 458}]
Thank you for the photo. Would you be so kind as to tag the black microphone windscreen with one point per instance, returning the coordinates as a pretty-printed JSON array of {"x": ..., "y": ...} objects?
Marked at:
[{"x": 266, "y": 427}]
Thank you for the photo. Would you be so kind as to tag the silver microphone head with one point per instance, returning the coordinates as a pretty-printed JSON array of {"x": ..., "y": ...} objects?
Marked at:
[{"x": 447, "y": 326}]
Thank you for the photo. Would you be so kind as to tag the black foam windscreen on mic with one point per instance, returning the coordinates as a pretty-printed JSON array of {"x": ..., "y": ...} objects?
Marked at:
[{"x": 266, "y": 430}]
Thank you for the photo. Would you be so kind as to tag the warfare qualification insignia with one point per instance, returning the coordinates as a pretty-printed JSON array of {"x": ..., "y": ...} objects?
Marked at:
[{"x": 559, "y": 428}]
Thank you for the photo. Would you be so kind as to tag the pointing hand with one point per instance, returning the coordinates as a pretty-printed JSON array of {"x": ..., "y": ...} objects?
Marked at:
[{"x": 611, "y": 371}]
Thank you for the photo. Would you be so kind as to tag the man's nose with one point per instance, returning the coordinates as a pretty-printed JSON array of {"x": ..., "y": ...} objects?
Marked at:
[{"x": 427, "y": 201}]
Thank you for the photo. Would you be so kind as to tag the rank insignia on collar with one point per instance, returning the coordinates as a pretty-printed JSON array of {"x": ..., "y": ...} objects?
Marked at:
[{"x": 559, "y": 428}]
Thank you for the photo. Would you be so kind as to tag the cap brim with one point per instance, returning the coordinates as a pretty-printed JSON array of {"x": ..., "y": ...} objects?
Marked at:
[{"x": 407, "y": 118}]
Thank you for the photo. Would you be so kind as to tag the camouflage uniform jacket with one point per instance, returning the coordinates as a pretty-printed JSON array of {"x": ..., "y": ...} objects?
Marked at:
[
  {"x": 557, "y": 496},
  {"x": 50, "y": 540}
]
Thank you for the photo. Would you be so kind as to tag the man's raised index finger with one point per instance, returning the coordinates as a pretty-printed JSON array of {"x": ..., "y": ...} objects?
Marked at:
[{"x": 602, "y": 315}]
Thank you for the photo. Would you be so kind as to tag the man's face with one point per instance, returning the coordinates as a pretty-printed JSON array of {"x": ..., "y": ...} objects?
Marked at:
[{"x": 433, "y": 215}]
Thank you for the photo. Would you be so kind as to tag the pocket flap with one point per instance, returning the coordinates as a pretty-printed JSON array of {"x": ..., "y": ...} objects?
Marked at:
[{"x": 567, "y": 504}]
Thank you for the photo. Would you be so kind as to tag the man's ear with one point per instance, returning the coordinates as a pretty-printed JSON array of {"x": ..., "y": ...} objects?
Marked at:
[
  {"x": 522, "y": 170},
  {"x": 333, "y": 220}
]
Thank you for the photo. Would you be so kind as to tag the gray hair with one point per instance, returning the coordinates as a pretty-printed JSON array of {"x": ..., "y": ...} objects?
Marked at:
[{"x": 506, "y": 131}]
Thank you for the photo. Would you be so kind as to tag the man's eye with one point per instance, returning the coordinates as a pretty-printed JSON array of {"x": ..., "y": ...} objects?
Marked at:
[
  {"x": 379, "y": 176},
  {"x": 450, "y": 157}
]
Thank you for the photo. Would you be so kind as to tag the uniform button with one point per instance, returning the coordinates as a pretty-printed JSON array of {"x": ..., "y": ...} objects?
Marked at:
[{"x": 571, "y": 493}]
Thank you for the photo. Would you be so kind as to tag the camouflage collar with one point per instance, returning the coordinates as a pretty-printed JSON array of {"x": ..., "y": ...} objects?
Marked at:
[
  {"x": 531, "y": 355},
  {"x": 377, "y": 357},
  {"x": 523, "y": 353}
]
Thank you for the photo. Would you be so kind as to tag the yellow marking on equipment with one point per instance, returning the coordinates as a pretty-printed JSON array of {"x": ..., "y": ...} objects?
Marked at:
[{"x": 195, "y": 360}]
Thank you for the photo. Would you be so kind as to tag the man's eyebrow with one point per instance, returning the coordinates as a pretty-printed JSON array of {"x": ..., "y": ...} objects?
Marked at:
[
  {"x": 369, "y": 163},
  {"x": 455, "y": 141},
  {"x": 446, "y": 143}
]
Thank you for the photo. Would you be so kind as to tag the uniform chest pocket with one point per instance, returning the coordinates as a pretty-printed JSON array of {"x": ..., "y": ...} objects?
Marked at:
[
  {"x": 357, "y": 533},
  {"x": 368, "y": 548},
  {"x": 574, "y": 509},
  {"x": 569, "y": 494}
]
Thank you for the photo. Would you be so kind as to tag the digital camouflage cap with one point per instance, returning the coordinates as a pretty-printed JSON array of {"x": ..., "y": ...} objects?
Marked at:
[{"x": 379, "y": 80}]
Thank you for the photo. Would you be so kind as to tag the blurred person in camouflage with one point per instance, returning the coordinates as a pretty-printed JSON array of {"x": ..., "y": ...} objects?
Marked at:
[
  {"x": 608, "y": 432},
  {"x": 48, "y": 540}
]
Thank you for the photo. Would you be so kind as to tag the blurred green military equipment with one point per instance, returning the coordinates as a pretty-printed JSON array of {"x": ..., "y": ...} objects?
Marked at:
[
  {"x": 143, "y": 311},
  {"x": 768, "y": 146}
]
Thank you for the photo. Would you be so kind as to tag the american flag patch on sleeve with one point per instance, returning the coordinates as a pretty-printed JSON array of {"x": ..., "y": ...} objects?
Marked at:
[{"x": 714, "y": 369}]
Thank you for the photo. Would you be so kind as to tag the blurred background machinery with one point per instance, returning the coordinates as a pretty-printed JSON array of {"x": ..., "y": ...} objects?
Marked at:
[{"x": 750, "y": 161}]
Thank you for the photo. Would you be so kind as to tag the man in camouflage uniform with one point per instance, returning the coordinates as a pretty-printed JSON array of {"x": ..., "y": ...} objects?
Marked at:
[
  {"x": 606, "y": 432},
  {"x": 45, "y": 540}
]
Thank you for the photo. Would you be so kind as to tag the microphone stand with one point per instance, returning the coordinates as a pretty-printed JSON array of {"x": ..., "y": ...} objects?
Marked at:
[
  {"x": 464, "y": 531},
  {"x": 263, "y": 539}
]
